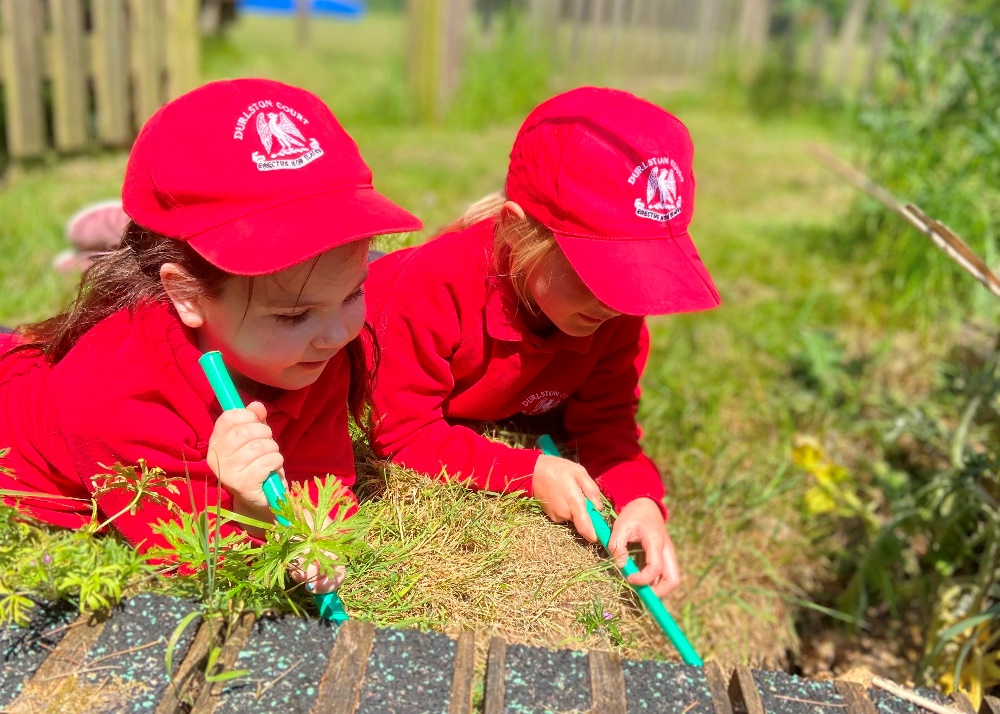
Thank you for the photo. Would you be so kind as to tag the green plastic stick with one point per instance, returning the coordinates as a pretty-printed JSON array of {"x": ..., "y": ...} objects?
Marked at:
[
  {"x": 645, "y": 593},
  {"x": 330, "y": 606}
]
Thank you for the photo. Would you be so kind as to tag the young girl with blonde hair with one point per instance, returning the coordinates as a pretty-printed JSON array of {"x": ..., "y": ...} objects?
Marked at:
[{"x": 532, "y": 308}]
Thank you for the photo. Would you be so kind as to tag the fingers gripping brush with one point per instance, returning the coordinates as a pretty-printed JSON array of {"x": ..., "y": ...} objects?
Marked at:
[
  {"x": 645, "y": 593},
  {"x": 329, "y": 604}
]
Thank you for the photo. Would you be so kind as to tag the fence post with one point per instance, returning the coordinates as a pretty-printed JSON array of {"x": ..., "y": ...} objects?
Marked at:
[
  {"x": 849, "y": 34},
  {"x": 821, "y": 33},
  {"x": 183, "y": 46},
  {"x": 110, "y": 64},
  {"x": 708, "y": 32},
  {"x": 22, "y": 63},
  {"x": 68, "y": 65},
  {"x": 436, "y": 50},
  {"x": 876, "y": 52},
  {"x": 146, "y": 50}
]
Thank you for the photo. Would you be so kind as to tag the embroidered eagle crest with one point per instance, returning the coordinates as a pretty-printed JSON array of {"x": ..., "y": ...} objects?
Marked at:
[{"x": 276, "y": 126}]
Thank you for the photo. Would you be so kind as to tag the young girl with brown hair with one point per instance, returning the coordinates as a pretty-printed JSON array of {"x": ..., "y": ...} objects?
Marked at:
[{"x": 251, "y": 213}]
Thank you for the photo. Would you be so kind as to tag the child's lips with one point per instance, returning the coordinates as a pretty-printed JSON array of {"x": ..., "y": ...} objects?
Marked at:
[{"x": 316, "y": 364}]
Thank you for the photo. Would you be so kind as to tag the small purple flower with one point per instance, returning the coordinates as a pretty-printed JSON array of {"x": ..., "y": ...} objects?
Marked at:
[
  {"x": 607, "y": 615},
  {"x": 47, "y": 559}
]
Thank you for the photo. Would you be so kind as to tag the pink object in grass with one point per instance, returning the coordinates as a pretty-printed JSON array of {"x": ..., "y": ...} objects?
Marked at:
[{"x": 97, "y": 227}]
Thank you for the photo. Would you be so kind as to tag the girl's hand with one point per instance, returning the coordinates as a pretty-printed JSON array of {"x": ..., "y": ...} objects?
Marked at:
[
  {"x": 242, "y": 454},
  {"x": 561, "y": 485},
  {"x": 642, "y": 521},
  {"x": 316, "y": 583}
]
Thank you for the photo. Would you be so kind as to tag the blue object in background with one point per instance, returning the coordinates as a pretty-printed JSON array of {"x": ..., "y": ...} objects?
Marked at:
[{"x": 348, "y": 9}]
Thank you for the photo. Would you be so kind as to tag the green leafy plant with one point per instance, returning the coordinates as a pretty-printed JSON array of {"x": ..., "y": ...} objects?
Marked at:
[
  {"x": 932, "y": 137},
  {"x": 595, "y": 618}
]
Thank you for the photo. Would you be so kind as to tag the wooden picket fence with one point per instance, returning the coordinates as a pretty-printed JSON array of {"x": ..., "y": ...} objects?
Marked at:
[
  {"x": 634, "y": 42},
  {"x": 82, "y": 73}
]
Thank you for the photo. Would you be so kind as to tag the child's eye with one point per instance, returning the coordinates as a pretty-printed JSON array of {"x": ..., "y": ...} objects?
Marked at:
[
  {"x": 292, "y": 319},
  {"x": 356, "y": 295}
]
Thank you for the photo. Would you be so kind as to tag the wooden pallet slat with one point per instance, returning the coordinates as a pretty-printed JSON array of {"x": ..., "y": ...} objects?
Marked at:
[
  {"x": 68, "y": 657},
  {"x": 743, "y": 691},
  {"x": 716, "y": 679},
  {"x": 855, "y": 698},
  {"x": 22, "y": 60},
  {"x": 496, "y": 673},
  {"x": 68, "y": 70},
  {"x": 340, "y": 687},
  {"x": 209, "y": 697},
  {"x": 607, "y": 684},
  {"x": 188, "y": 676},
  {"x": 460, "y": 699}
]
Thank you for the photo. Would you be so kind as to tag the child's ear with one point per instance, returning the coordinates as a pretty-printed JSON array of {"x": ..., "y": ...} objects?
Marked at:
[
  {"x": 511, "y": 211},
  {"x": 184, "y": 292}
]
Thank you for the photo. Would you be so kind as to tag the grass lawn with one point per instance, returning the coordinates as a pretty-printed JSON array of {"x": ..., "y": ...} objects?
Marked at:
[{"x": 722, "y": 401}]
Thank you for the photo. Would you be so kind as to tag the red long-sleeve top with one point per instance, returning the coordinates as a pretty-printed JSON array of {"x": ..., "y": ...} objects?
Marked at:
[
  {"x": 132, "y": 388},
  {"x": 454, "y": 348}
]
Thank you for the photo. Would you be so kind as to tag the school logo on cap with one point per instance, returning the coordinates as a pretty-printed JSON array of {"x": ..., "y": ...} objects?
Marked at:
[
  {"x": 285, "y": 145},
  {"x": 662, "y": 201},
  {"x": 542, "y": 402}
]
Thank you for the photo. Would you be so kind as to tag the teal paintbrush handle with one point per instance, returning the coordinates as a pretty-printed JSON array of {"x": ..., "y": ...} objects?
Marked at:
[
  {"x": 645, "y": 593},
  {"x": 329, "y": 604}
]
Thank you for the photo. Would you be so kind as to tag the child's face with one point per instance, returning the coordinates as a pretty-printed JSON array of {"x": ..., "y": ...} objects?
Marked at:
[
  {"x": 562, "y": 296},
  {"x": 284, "y": 330}
]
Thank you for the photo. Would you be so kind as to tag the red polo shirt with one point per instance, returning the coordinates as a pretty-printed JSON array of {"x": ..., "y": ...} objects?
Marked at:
[
  {"x": 132, "y": 388},
  {"x": 454, "y": 347}
]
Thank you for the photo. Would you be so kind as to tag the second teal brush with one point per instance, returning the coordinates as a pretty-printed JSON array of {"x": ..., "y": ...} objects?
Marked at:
[{"x": 649, "y": 598}]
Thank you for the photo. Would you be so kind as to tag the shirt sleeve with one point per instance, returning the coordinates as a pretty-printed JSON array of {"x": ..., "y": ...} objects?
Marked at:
[
  {"x": 150, "y": 431},
  {"x": 415, "y": 380},
  {"x": 601, "y": 421}
]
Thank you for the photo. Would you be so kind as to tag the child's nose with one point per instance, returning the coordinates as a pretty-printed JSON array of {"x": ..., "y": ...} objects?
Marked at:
[{"x": 334, "y": 337}]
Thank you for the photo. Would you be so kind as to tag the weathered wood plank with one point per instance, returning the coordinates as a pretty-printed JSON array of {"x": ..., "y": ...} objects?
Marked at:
[
  {"x": 855, "y": 698},
  {"x": 183, "y": 47},
  {"x": 23, "y": 649},
  {"x": 607, "y": 684},
  {"x": 210, "y": 694},
  {"x": 990, "y": 705},
  {"x": 146, "y": 49},
  {"x": 962, "y": 703},
  {"x": 341, "y": 684},
  {"x": 110, "y": 62},
  {"x": 460, "y": 699},
  {"x": 743, "y": 691},
  {"x": 69, "y": 82},
  {"x": 496, "y": 673},
  {"x": 66, "y": 659},
  {"x": 132, "y": 650},
  {"x": 22, "y": 60},
  {"x": 717, "y": 685},
  {"x": 189, "y": 677}
]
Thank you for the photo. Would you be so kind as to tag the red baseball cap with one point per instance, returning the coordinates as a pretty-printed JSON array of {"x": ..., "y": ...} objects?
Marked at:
[
  {"x": 610, "y": 175},
  {"x": 256, "y": 176}
]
